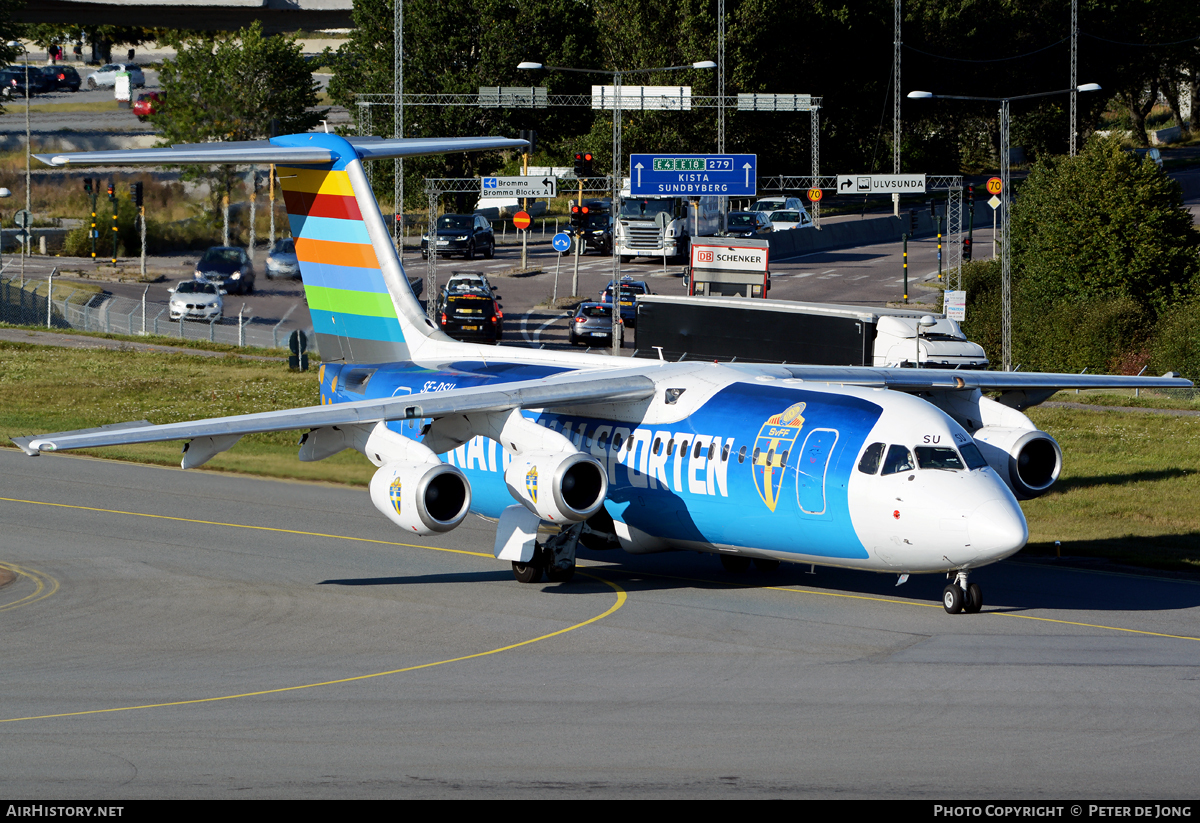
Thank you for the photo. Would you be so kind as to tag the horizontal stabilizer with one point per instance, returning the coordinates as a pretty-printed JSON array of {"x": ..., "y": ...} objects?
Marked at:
[{"x": 270, "y": 151}]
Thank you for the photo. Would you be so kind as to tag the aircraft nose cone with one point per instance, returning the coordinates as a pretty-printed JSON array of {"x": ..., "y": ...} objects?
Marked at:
[{"x": 998, "y": 528}]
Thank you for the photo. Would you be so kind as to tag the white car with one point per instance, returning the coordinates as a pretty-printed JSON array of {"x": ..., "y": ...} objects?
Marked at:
[
  {"x": 790, "y": 219},
  {"x": 770, "y": 204},
  {"x": 194, "y": 300},
  {"x": 106, "y": 76}
]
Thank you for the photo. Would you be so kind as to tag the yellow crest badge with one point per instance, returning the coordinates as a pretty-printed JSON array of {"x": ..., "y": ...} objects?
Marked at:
[
  {"x": 771, "y": 452},
  {"x": 394, "y": 491},
  {"x": 531, "y": 484}
]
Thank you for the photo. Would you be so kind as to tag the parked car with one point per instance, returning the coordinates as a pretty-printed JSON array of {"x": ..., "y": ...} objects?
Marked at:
[
  {"x": 147, "y": 104},
  {"x": 228, "y": 267},
  {"x": 282, "y": 261},
  {"x": 747, "y": 224},
  {"x": 106, "y": 76},
  {"x": 472, "y": 315},
  {"x": 61, "y": 78},
  {"x": 592, "y": 323},
  {"x": 790, "y": 219},
  {"x": 194, "y": 300},
  {"x": 465, "y": 234},
  {"x": 12, "y": 82},
  {"x": 630, "y": 289}
]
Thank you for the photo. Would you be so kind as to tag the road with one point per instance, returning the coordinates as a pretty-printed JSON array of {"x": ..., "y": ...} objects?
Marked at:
[{"x": 176, "y": 635}]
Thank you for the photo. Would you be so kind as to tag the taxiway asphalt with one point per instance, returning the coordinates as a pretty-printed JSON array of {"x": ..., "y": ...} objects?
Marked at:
[{"x": 193, "y": 634}]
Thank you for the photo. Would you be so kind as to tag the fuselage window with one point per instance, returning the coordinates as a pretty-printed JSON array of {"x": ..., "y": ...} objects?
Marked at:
[
  {"x": 670, "y": 447},
  {"x": 616, "y": 442},
  {"x": 725, "y": 453},
  {"x": 742, "y": 454},
  {"x": 869, "y": 464},
  {"x": 602, "y": 440},
  {"x": 658, "y": 445},
  {"x": 712, "y": 450},
  {"x": 683, "y": 444},
  {"x": 899, "y": 459},
  {"x": 754, "y": 457},
  {"x": 938, "y": 457},
  {"x": 696, "y": 451}
]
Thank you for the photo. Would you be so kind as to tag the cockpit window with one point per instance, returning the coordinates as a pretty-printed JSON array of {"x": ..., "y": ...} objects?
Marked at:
[
  {"x": 970, "y": 453},
  {"x": 898, "y": 459},
  {"x": 869, "y": 464},
  {"x": 938, "y": 457}
]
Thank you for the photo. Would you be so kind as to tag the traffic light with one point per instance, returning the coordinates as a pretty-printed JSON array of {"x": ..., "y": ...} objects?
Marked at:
[
  {"x": 136, "y": 190},
  {"x": 112, "y": 189},
  {"x": 971, "y": 192},
  {"x": 579, "y": 164},
  {"x": 531, "y": 136},
  {"x": 966, "y": 248},
  {"x": 579, "y": 216},
  {"x": 587, "y": 164},
  {"x": 87, "y": 185}
]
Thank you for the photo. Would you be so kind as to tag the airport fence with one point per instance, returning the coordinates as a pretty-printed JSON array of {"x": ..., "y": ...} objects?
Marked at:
[{"x": 38, "y": 300}]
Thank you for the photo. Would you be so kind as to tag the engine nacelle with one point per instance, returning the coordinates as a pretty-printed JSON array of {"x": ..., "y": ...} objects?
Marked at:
[
  {"x": 1028, "y": 460},
  {"x": 562, "y": 487},
  {"x": 424, "y": 498}
]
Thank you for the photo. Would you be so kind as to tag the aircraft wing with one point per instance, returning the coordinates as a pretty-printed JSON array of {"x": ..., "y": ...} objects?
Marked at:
[
  {"x": 928, "y": 379},
  {"x": 570, "y": 388}
]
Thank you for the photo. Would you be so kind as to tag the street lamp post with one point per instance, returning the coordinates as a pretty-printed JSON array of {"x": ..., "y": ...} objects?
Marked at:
[
  {"x": 1005, "y": 197},
  {"x": 28, "y": 200},
  {"x": 617, "y": 166}
]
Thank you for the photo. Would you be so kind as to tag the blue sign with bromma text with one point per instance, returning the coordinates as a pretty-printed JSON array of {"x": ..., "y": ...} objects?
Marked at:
[{"x": 693, "y": 175}]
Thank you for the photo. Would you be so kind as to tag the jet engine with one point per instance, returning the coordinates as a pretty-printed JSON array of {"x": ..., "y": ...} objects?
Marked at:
[
  {"x": 562, "y": 487},
  {"x": 1028, "y": 460},
  {"x": 425, "y": 498}
]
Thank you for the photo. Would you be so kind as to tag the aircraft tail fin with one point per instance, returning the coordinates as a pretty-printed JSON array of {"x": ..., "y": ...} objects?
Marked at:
[{"x": 363, "y": 309}]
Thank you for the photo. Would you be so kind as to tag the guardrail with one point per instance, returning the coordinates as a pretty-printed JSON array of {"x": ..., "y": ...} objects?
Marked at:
[{"x": 40, "y": 301}]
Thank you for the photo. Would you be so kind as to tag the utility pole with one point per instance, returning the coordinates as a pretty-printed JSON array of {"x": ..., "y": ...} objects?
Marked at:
[
  {"x": 1073, "y": 85},
  {"x": 398, "y": 124},
  {"x": 896, "y": 112},
  {"x": 112, "y": 201}
]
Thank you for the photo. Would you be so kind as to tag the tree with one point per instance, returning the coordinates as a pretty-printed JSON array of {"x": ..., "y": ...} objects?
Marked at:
[
  {"x": 234, "y": 87},
  {"x": 1102, "y": 225}
]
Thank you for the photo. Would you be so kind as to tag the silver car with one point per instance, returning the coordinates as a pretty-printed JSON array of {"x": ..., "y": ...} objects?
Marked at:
[
  {"x": 106, "y": 76},
  {"x": 195, "y": 300},
  {"x": 592, "y": 323},
  {"x": 281, "y": 261}
]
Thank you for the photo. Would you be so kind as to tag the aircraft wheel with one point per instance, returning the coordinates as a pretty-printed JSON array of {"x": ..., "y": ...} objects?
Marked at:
[
  {"x": 735, "y": 563},
  {"x": 765, "y": 565},
  {"x": 974, "y": 599},
  {"x": 952, "y": 599},
  {"x": 527, "y": 572}
]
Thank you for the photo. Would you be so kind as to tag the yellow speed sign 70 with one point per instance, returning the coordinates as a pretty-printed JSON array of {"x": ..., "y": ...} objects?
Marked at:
[
  {"x": 814, "y": 195},
  {"x": 994, "y": 186}
]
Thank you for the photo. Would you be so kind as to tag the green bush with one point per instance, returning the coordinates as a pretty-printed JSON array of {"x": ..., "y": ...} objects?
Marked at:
[
  {"x": 195, "y": 233},
  {"x": 1176, "y": 344}
]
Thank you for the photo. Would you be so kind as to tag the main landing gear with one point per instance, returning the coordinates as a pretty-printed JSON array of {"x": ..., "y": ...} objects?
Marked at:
[
  {"x": 555, "y": 558},
  {"x": 961, "y": 597}
]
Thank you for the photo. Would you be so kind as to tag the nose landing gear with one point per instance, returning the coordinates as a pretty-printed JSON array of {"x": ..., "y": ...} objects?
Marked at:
[{"x": 961, "y": 597}]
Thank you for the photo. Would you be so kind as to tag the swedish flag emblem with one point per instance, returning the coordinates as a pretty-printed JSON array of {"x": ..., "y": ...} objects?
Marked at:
[
  {"x": 531, "y": 484},
  {"x": 772, "y": 448},
  {"x": 395, "y": 494}
]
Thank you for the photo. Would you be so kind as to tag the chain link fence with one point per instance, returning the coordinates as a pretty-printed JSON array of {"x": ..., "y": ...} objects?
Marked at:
[{"x": 38, "y": 300}]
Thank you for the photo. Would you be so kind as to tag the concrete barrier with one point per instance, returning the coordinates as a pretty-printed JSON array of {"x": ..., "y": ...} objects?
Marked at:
[{"x": 865, "y": 232}]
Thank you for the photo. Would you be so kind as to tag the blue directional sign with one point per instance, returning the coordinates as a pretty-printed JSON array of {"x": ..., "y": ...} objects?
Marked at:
[
  {"x": 561, "y": 241},
  {"x": 693, "y": 175}
]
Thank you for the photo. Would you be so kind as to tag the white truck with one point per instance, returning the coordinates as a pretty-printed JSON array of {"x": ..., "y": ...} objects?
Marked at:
[
  {"x": 793, "y": 332},
  {"x": 638, "y": 234}
]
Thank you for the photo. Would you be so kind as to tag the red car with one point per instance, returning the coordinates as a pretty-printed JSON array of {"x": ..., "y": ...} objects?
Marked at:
[{"x": 147, "y": 104}]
